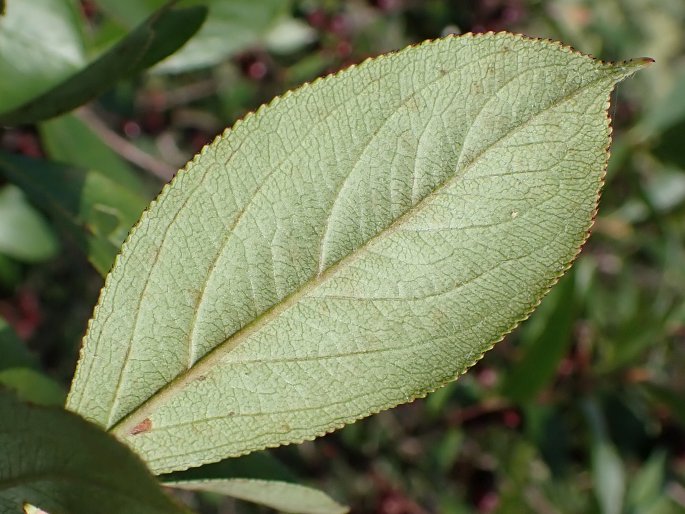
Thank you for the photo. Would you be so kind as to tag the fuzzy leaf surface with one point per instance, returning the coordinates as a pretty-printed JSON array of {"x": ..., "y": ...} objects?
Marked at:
[{"x": 355, "y": 244}]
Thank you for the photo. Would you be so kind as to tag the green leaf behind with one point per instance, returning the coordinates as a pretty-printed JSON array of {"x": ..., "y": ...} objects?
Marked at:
[
  {"x": 40, "y": 45},
  {"x": 69, "y": 140},
  {"x": 96, "y": 210},
  {"x": 24, "y": 234},
  {"x": 157, "y": 37},
  {"x": 242, "y": 477},
  {"x": 258, "y": 465},
  {"x": 542, "y": 355},
  {"x": 14, "y": 352},
  {"x": 283, "y": 496},
  {"x": 232, "y": 26}
]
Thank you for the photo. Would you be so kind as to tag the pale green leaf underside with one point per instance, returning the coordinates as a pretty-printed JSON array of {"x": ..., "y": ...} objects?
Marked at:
[
  {"x": 355, "y": 244},
  {"x": 283, "y": 496}
]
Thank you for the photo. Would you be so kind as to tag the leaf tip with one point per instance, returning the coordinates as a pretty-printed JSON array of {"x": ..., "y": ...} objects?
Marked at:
[
  {"x": 639, "y": 63},
  {"x": 627, "y": 68}
]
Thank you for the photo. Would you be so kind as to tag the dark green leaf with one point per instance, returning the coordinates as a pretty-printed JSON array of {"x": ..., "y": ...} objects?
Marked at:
[
  {"x": 60, "y": 463},
  {"x": 543, "y": 354},
  {"x": 259, "y": 465},
  {"x": 159, "y": 36},
  {"x": 10, "y": 272},
  {"x": 670, "y": 146},
  {"x": 13, "y": 351}
]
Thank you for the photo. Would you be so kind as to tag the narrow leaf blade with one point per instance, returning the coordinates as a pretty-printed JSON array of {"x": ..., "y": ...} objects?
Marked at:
[
  {"x": 68, "y": 139},
  {"x": 356, "y": 244},
  {"x": 608, "y": 471},
  {"x": 157, "y": 37},
  {"x": 542, "y": 356},
  {"x": 283, "y": 496},
  {"x": 231, "y": 26}
]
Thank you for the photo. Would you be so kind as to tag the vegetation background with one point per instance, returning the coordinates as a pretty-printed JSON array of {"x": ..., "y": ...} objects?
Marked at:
[{"x": 581, "y": 410}]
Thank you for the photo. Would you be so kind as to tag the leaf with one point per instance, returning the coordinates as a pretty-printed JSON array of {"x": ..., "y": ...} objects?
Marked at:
[
  {"x": 283, "y": 496},
  {"x": 258, "y": 465},
  {"x": 10, "y": 272},
  {"x": 648, "y": 486},
  {"x": 258, "y": 478},
  {"x": 608, "y": 477},
  {"x": 32, "y": 386},
  {"x": 24, "y": 233},
  {"x": 608, "y": 473},
  {"x": 543, "y": 354},
  {"x": 69, "y": 140},
  {"x": 14, "y": 352},
  {"x": 58, "y": 462},
  {"x": 97, "y": 211},
  {"x": 160, "y": 35},
  {"x": 232, "y": 26},
  {"x": 40, "y": 45},
  {"x": 356, "y": 244}
]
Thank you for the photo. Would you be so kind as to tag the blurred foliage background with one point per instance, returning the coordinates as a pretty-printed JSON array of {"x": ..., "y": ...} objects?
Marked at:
[{"x": 581, "y": 410}]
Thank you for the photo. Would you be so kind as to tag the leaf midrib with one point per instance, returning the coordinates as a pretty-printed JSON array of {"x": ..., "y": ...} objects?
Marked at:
[{"x": 209, "y": 360}]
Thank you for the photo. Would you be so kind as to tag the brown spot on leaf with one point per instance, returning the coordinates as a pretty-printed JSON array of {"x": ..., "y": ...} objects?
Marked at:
[{"x": 143, "y": 426}]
